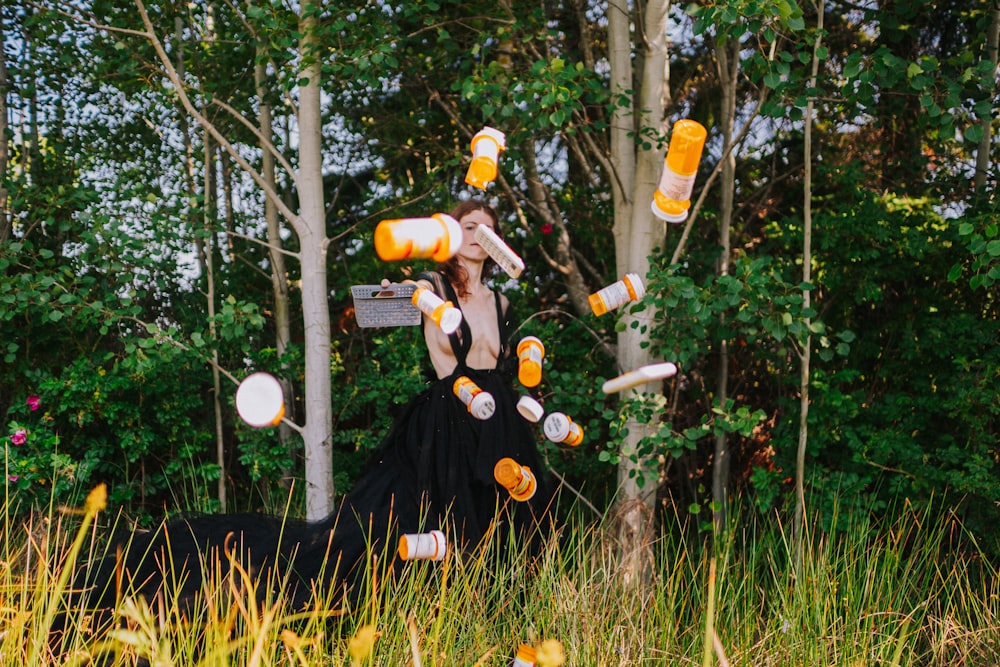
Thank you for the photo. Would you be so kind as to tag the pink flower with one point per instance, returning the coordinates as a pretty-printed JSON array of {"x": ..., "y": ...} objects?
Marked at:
[
  {"x": 33, "y": 402},
  {"x": 547, "y": 228},
  {"x": 20, "y": 437},
  {"x": 13, "y": 478}
]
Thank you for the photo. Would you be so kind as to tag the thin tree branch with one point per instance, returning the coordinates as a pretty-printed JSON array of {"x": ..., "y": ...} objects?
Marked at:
[
  {"x": 77, "y": 18},
  {"x": 209, "y": 127},
  {"x": 256, "y": 133},
  {"x": 265, "y": 244}
]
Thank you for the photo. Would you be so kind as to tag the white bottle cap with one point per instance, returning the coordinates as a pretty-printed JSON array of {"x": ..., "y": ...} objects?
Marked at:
[
  {"x": 496, "y": 135},
  {"x": 451, "y": 318},
  {"x": 423, "y": 546},
  {"x": 454, "y": 235},
  {"x": 530, "y": 409},
  {"x": 674, "y": 218},
  {"x": 259, "y": 400},
  {"x": 556, "y": 427},
  {"x": 483, "y": 406}
]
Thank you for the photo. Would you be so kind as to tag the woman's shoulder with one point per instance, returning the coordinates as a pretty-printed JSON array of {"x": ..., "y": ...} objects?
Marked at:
[{"x": 433, "y": 279}]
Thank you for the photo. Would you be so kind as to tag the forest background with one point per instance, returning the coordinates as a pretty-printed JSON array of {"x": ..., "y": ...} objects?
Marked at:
[{"x": 190, "y": 189}]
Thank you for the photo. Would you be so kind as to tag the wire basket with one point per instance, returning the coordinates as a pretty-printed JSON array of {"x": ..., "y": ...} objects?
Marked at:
[{"x": 391, "y": 306}]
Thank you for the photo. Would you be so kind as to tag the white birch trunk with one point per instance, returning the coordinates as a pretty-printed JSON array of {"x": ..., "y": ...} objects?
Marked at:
[
  {"x": 805, "y": 360},
  {"x": 637, "y": 233},
  {"x": 5, "y": 224},
  {"x": 318, "y": 427}
]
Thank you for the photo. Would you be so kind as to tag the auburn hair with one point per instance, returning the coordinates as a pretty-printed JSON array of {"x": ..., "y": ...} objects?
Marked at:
[{"x": 452, "y": 270}]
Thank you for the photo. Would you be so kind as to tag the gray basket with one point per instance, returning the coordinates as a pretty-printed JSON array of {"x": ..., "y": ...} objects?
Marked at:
[{"x": 392, "y": 306}]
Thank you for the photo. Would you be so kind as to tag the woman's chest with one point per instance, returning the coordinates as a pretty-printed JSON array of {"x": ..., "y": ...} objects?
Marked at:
[{"x": 481, "y": 317}]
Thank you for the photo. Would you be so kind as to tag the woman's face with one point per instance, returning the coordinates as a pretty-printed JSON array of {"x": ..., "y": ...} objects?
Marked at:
[{"x": 470, "y": 249}]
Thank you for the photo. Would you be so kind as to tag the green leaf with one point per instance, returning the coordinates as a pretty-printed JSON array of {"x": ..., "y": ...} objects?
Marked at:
[{"x": 853, "y": 65}]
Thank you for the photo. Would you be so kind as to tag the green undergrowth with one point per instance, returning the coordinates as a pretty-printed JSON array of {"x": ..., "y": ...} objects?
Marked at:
[{"x": 910, "y": 590}]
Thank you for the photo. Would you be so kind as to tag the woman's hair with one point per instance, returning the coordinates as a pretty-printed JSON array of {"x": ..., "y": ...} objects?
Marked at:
[{"x": 452, "y": 269}]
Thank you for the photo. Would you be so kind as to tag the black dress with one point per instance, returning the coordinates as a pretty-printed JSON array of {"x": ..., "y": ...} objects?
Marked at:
[{"x": 434, "y": 470}]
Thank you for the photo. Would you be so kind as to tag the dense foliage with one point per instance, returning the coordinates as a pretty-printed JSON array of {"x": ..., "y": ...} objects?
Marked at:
[{"x": 110, "y": 217}]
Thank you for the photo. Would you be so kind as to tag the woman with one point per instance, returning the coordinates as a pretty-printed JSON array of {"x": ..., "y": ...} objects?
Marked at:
[{"x": 435, "y": 468}]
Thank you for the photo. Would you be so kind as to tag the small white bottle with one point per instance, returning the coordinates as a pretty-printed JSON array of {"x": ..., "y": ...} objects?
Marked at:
[
  {"x": 516, "y": 478},
  {"x": 561, "y": 429},
  {"x": 260, "y": 401},
  {"x": 438, "y": 237},
  {"x": 629, "y": 288},
  {"x": 486, "y": 147},
  {"x": 525, "y": 656},
  {"x": 442, "y": 313},
  {"x": 480, "y": 403},
  {"x": 641, "y": 375},
  {"x": 672, "y": 198},
  {"x": 530, "y": 353},
  {"x": 423, "y": 546},
  {"x": 506, "y": 259}
]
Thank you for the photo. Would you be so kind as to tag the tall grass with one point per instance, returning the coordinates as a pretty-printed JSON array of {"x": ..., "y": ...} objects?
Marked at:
[{"x": 913, "y": 590}]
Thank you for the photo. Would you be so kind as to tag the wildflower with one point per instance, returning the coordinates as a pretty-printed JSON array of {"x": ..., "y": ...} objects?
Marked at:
[
  {"x": 33, "y": 402},
  {"x": 19, "y": 438},
  {"x": 13, "y": 478},
  {"x": 361, "y": 644},
  {"x": 97, "y": 500},
  {"x": 550, "y": 654},
  {"x": 547, "y": 228}
]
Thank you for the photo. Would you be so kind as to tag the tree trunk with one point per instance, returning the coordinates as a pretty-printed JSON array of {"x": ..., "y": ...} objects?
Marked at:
[
  {"x": 279, "y": 274},
  {"x": 637, "y": 233},
  {"x": 209, "y": 206},
  {"x": 548, "y": 210},
  {"x": 727, "y": 57},
  {"x": 5, "y": 222},
  {"x": 805, "y": 371},
  {"x": 985, "y": 141},
  {"x": 317, "y": 432},
  {"x": 226, "y": 165}
]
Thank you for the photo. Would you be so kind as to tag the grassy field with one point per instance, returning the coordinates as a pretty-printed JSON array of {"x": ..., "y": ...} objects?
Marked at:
[{"x": 910, "y": 591}]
